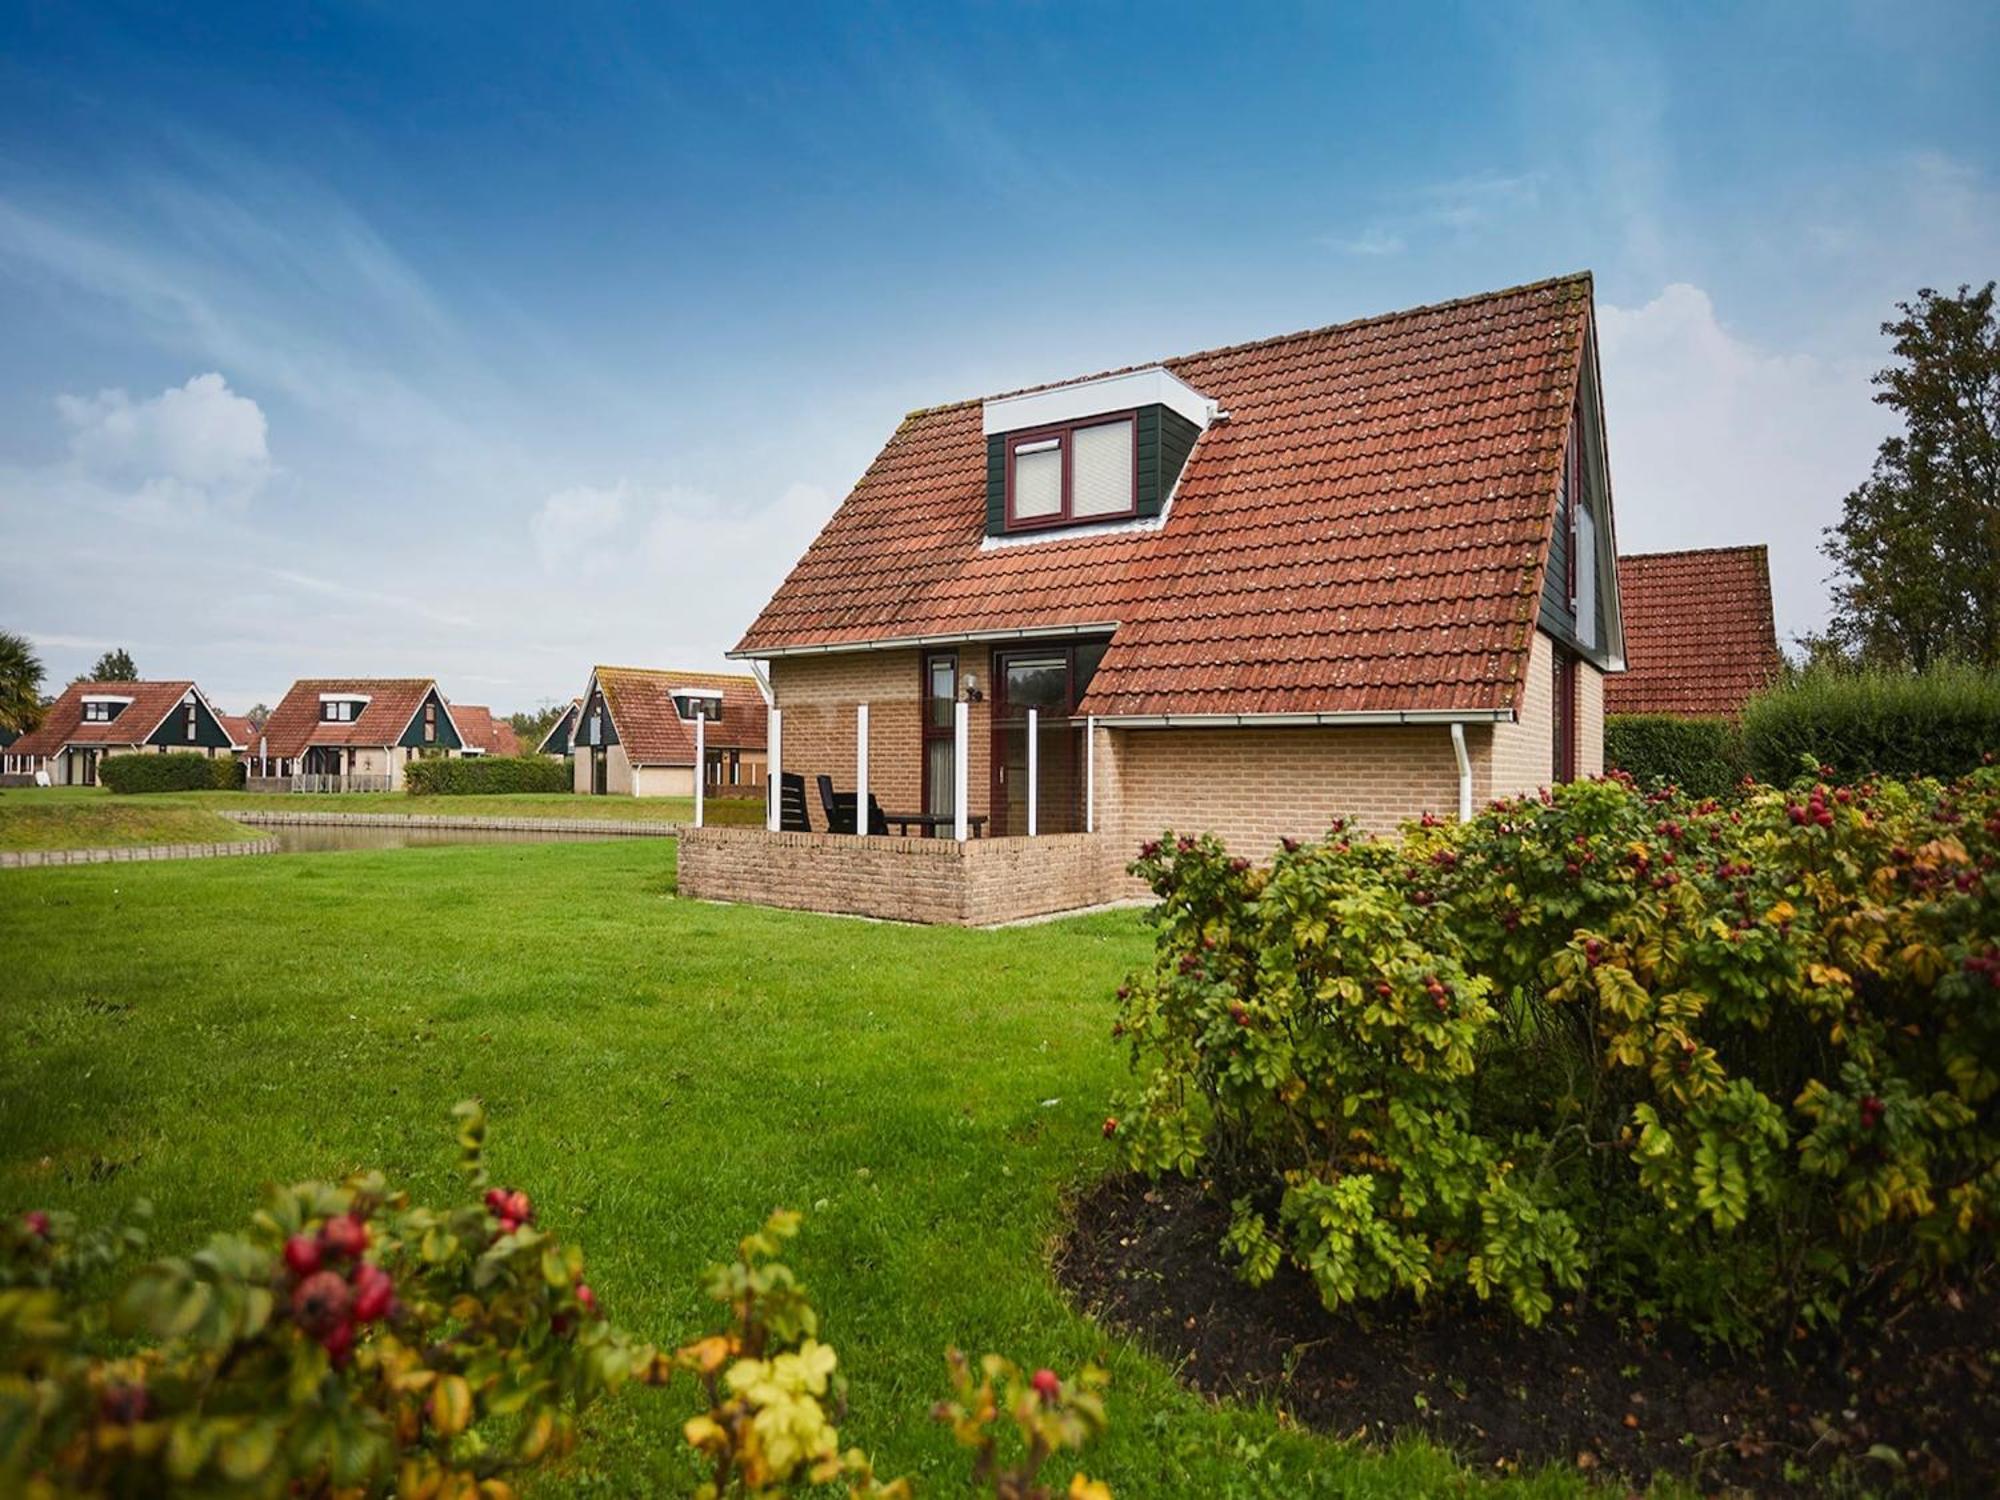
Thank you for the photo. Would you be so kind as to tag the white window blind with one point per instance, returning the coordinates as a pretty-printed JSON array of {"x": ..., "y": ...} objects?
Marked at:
[
  {"x": 1101, "y": 472},
  {"x": 1038, "y": 480},
  {"x": 1586, "y": 577}
]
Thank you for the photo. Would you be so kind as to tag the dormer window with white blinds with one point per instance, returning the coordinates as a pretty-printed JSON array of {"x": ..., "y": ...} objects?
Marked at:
[{"x": 1078, "y": 472}]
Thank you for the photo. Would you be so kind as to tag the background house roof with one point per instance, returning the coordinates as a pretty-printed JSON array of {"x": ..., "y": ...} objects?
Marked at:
[
  {"x": 63, "y": 723},
  {"x": 1365, "y": 531},
  {"x": 242, "y": 733},
  {"x": 653, "y": 734},
  {"x": 295, "y": 723},
  {"x": 482, "y": 731},
  {"x": 1699, "y": 635}
]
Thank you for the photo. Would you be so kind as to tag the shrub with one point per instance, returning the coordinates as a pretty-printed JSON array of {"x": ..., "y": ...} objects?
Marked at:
[
  {"x": 485, "y": 775},
  {"x": 176, "y": 771},
  {"x": 1939, "y": 722},
  {"x": 353, "y": 1344},
  {"x": 1734, "y": 1062},
  {"x": 1703, "y": 757}
]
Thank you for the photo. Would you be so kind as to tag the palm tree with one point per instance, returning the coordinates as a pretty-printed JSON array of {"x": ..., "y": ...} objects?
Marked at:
[{"x": 20, "y": 684}]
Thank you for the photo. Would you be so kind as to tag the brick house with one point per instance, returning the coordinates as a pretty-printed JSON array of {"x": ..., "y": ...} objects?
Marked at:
[
  {"x": 93, "y": 720},
  {"x": 353, "y": 733},
  {"x": 1700, "y": 637},
  {"x": 637, "y": 729},
  {"x": 484, "y": 734},
  {"x": 1366, "y": 569}
]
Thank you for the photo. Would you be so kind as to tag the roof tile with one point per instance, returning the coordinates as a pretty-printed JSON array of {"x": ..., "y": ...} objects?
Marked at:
[{"x": 1699, "y": 635}]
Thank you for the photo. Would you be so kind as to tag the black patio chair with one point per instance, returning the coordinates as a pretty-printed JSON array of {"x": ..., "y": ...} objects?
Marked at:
[
  {"x": 839, "y": 809},
  {"x": 792, "y": 803}
]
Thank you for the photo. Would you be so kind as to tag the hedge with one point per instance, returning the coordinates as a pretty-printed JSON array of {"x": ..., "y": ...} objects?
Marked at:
[
  {"x": 1941, "y": 722},
  {"x": 180, "y": 771},
  {"x": 486, "y": 774},
  {"x": 1703, "y": 757}
]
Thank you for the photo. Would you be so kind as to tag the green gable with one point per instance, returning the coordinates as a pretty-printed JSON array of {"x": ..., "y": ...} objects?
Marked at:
[
  {"x": 172, "y": 733},
  {"x": 413, "y": 733}
]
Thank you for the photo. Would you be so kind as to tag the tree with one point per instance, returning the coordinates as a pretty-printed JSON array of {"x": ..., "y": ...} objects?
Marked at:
[
  {"x": 259, "y": 716},
  {"x": 20, "y": 684},
  {"x": 114, "y": 666},
  {"x": 1918, "y": 546},
  {"x": 530, "y": 728}
]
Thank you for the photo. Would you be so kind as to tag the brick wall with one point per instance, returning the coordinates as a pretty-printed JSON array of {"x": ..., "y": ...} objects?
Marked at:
[
  {"x": 1522, "y": 754},
  {"x": 978, "y": 882},
  {"x": 1253, "y": 787},
  {"x": 1589, "y": 720}
]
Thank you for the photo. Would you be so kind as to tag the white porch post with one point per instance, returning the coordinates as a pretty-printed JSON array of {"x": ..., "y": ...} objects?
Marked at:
[
  {"x": 1034, "y": 768},
  {"x": 861, "y": 769},
  {"x": 700, "y": 766},
  {"x": 1090, "y": 774},
  {"x": 774, "y": 773},
  {"x": 961, "y": 737}
]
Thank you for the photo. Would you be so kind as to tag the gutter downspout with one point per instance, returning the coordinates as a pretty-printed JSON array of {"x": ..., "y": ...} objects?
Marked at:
[
  {"x": 1464, "y": 772},
  {"x": 763, "y": 680}
]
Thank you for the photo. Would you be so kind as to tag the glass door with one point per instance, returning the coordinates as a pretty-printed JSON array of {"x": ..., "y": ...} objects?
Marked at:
[
  {"x": 940, "y": 733},
  {"x": 1045, "y": 681}
]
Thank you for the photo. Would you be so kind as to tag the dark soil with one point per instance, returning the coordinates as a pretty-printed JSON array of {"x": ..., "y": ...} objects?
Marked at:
[{"x": 1918, "y": 1408}]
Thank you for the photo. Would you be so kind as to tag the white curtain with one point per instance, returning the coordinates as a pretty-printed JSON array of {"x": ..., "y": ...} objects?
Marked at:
[{"x": 1101, "y": 470}]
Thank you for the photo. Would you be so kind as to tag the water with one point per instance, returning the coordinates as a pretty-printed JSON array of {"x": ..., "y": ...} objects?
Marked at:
[{"x": 320, "y": 838}]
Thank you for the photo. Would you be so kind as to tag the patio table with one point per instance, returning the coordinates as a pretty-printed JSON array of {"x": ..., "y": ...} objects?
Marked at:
[{"x": 930, "y": 823}]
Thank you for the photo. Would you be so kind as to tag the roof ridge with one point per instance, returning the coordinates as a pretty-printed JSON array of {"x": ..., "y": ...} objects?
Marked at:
[
  {"x": 1421, "y": 310},
  {"x": 1763, "y": 547},
  {"x": 674, "y": 672}
]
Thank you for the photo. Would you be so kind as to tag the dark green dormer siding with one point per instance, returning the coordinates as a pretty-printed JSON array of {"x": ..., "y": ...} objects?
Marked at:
[
  {"x": 556, "y": 741},
  {"x": 172, "y": 733},
  {"x": 1557, "y": 617},
  {"x": 413, "y": 733},
  {"x": 1164, "y": 440},
  {"x": 593, "y": 725}
]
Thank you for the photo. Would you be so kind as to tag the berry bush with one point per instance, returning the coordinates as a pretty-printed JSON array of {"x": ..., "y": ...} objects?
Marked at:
[
  {"x": 352, "y": 1344},
  {"x": 1729, "y": 1061}
]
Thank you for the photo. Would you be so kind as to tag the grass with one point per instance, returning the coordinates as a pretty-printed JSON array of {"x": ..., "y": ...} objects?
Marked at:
[
  {"x": 660, "y": 1074},
  {"x": 85, "y": 809},
  {"x": 45, "y": 820}
]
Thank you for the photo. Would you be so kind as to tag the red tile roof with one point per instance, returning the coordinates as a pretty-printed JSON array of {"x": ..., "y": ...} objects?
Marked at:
[
  {"x": 295, "y": 723},
  {"x": 63, "y": 723},
  {"x": 242, "y": 733},
  {"x": 1365, "y": 531},
  {"x": 653, "y": 734},
  {"x": 1699, "y": 635},
  {"x": 481, "y": 731}
]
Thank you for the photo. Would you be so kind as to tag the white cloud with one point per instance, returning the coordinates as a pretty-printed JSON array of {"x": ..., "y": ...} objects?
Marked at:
[
  {"x": 1716, "y": 441},
  {"x": 199, "y": 440},
  {"x": 1450, "y": 209}
]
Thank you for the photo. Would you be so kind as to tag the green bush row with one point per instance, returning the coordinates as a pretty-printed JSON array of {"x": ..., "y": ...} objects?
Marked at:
[
  {"x": 1735, "y": 1063},
  {"x": 1939, "y": 722},
  {"x": 1703, "y": 757},
  {"x": 178, "y": 771},
  {"x": 485, "y": 775}
]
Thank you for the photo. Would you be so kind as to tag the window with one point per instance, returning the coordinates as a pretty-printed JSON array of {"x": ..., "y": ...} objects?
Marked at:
[
  {"x": 1081, "y": 471},
  {"x": 190, "y": 723},
  {"x": 1562, "y": 765},
  {"x": 430, "y": 723},
  {"x": 691, "y": 706},
  {"x": 940, "y": 733},
  {"x": 97, "y": 713},
  {"x": 338, "y": 710}
]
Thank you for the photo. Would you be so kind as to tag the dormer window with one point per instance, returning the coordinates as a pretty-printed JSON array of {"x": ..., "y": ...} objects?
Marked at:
[
  {"x": 698, "y": 703},
  {"x": 1094, "y": 452},
  {"x": 101, "y": 709},
  {"x": 1081, "y": 471},
  {"x": 338, "y": 710}
]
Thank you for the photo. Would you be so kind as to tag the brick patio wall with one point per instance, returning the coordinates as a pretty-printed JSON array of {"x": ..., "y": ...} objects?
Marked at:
[{"x": 973, "y": 884}]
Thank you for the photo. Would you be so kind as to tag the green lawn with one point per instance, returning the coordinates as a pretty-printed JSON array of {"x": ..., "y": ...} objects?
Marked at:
[
  {"x": 32, "y": 819},
  {"x": 660, "y": 1074},
  {"x": 84, "y": 805}
]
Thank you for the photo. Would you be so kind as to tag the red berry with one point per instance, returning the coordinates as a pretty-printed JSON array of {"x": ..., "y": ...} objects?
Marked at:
[
  {"x": 1239, "y": 1014},
  {"x": 124, "y": 1404},
  {"x": 339, "y": 1343},
  {"x": 586, "y": 1298},
  {"x": 343, "y": 1236},
  {"x": 321, "y": 1303},
  {"x": 1110, "y": 1126},
  {"x": 374, "y": 1290},
  {"x": 496, "y": 1200},
  {"x": 302, "y": 1255},
  {"x": 518, "y": 1206},
  {"x": 1385, "y": 989},
  {"x": 35, "y": 1222},
  {"x": 1046, "y": 1385},
  {"x": 1871, "y": 1112}
]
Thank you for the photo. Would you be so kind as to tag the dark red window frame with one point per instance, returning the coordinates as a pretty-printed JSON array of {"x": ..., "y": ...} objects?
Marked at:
[
  {"x": 931, "y": 731},
  {"x": 1062, "y": 431},
  {"x": 1563, "y": 718}
]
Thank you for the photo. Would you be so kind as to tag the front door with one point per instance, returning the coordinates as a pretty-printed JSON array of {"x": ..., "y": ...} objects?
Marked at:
[{"x": 599, "y": 772}]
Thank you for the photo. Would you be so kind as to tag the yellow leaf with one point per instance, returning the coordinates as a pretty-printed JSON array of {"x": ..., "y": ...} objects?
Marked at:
[{"x": 451, "y": 1405}]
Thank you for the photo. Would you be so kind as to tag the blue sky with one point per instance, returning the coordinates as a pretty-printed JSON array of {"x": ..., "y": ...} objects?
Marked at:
[{"x": 486, "y": 342}]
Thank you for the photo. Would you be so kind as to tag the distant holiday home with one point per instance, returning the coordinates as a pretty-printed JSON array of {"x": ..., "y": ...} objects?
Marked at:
[
  {"x": 484, "y": 734},
  {"x": 1366, "y": 569},
  {"x": 94, "y": 720},
  {"x": 556, "y": 740},
  {"x": 1700, "y": 637},
  {"x": 637, "y": 730},
  {"x": 353, "y": 733}
]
